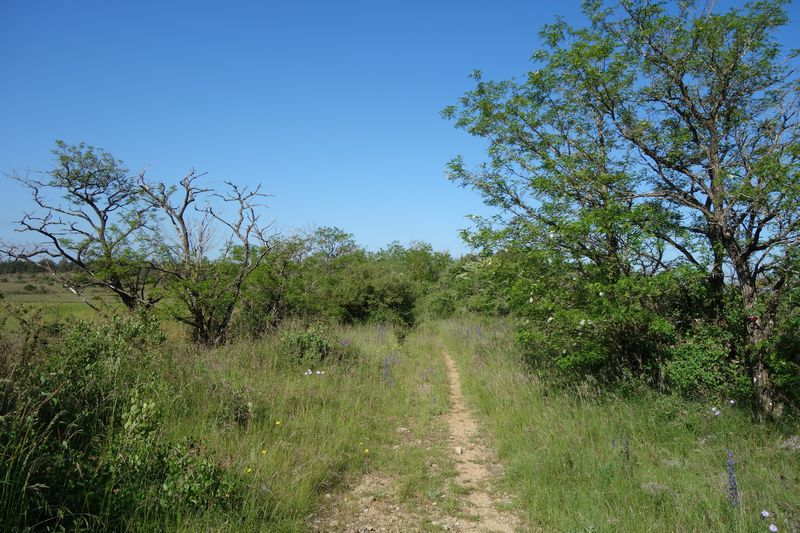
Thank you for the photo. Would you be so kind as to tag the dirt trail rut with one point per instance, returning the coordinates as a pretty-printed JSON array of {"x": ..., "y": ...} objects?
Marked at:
[
  {"x": 473, "y": 461},
  {"x": 373, "y": 506}
]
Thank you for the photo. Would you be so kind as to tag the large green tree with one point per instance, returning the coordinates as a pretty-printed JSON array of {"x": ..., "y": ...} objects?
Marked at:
[{"x": 659, "y": 132}]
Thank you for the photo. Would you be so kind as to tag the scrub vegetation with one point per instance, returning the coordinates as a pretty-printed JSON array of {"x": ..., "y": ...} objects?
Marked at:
[{"x": 627, "y": 327}]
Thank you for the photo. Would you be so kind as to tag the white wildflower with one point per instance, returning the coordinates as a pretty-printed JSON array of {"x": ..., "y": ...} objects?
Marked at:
[
  {"x": 773, "y": 528},
  {"x": 765, "y": 514},
  {"x": 549, "y": 320}
]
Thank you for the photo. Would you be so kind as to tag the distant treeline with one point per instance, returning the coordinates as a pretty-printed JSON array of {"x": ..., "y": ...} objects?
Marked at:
[{"x": 27, "y": 267}]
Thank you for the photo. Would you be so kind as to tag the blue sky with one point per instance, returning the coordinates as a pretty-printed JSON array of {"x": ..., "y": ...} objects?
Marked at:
[{"x": 333, "y": 106}]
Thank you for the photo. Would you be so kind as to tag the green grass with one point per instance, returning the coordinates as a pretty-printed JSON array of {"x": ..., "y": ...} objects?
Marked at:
[
  {"x": 303, "y": 436},
  {"x": 575, "y": 460},
  {"x": 55, "y": 302},
  {"x": 578, "y": 460}
]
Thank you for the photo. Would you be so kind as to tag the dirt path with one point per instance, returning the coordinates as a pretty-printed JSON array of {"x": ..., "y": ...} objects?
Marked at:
[
  {"x": 373, "y": 505},
  {"x": 474, "y": 462}
]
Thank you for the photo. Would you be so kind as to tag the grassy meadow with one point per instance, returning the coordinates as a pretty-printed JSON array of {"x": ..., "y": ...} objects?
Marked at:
[{"x": 284, "y": 433}]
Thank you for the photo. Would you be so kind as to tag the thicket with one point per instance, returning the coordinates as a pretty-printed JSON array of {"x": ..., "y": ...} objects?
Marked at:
[
  {"x": 303, "y": 280},
  {"x": 82, "y": 441}
]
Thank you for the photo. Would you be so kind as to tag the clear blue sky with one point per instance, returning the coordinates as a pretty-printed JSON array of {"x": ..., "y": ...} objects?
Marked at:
[{"x": 332, "y": 105}]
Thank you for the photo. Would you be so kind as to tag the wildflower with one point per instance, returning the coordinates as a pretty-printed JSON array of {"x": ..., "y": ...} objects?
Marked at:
[
  {"x": 277, "y": 422},
  {"x": 530, "y": 300},
  {"x": 308, "y": 372},
  {"x": 601, "y": 294},
  {"x": 732, "y": 402},
  {"x": 715, "y": 411},
  {"x": 773, "y": 528},
  {"x": 248, "y": 470},
  {"x": 733, "y": 489},
  {"x": 550, "y": 319},
  {"x": 366, "y": 450},
  {"x": 764, "y": 514},
  {"x": 263, "y": 452},
  {"x": 583, "y": 322}
]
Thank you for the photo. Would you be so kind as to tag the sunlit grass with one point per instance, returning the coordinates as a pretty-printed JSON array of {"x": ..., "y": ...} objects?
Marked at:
[
  {"x": 291, "y": 438},
  {"x": 578, "y": 460}
]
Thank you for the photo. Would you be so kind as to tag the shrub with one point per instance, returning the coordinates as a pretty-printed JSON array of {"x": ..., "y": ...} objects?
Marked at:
[
  {"x": 314, "y": 344},
  {"x": 81, "y": 443},
  {"x": 700, "y": 366}
]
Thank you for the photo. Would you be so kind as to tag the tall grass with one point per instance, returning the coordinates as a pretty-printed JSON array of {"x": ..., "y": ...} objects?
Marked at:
[
  {"x": 245, "y": 437},
  {"x": 579, "y": 459},
  {"x": 293, "y": 437}
]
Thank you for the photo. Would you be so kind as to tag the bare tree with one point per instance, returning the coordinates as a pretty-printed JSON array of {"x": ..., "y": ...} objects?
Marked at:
[{"x": 206, "y": 289}]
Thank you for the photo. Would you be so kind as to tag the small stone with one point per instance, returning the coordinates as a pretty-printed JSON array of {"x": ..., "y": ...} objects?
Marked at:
[{"x": 459, "y": 450}]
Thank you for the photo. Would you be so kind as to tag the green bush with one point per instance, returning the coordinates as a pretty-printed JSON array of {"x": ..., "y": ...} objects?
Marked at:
[
  {"x": 700, "y": 366},
  {"x": 314, "y": 344},
  {"x": 310, "y": 345},
  {"x": 81, "y": 437}
]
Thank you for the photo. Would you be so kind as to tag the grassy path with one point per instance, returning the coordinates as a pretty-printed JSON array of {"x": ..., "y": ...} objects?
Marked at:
[
  {"x": 584, "y": 459},
  {"x": 437, "y": 474},
  {"x": 474, "y": 462}
]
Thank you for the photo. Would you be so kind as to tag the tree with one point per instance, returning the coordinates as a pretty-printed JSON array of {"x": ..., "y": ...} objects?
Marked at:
[
  {"x": 92, "y": 226},
  {"x": 656, "y": 133},
  {"x": 206, "y": 288},
  {"x": 330, "y": 242}
]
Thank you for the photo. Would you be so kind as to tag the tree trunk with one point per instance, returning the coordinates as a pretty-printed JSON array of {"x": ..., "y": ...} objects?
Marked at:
[{"x": 759, "y": 329}]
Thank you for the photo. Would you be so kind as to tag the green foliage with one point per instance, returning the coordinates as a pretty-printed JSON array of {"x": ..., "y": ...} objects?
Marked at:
[
  {"x": 700, "y": 366},
  {"x": 339, "y": 282},
  {"x": 309, "y": 345},
  {"x": 314, "y": 344},
  {"x": 618, "y": 163},
  {"x": 81, "y": 441}
]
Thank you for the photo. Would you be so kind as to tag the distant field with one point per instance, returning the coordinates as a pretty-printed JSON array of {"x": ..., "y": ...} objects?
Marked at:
[{"x": 44, "y": 292}]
